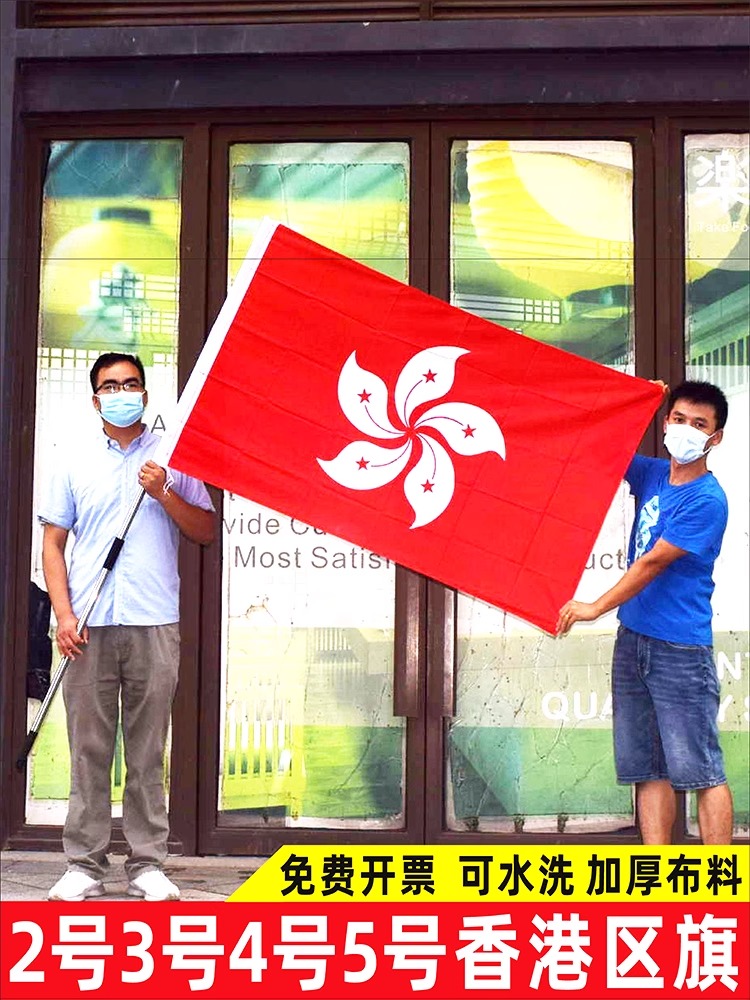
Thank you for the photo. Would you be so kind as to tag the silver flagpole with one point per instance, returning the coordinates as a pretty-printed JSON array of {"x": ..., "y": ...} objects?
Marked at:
[{"x": 109, "y": 562}]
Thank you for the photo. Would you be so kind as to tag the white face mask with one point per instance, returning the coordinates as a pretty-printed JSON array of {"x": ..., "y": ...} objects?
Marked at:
[
  {"x": 685, "y": 443},
  {"x": 121, "y": 409}
]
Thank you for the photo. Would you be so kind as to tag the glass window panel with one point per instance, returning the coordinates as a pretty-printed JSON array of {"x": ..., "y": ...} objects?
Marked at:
[
  {"x": 109, "y": 282},
  {"x": 542, "y": 242},
  {"x": 717, "y": 318},
  {"x": 349, "y": 196},
  {"x": 308, "y": 732}
]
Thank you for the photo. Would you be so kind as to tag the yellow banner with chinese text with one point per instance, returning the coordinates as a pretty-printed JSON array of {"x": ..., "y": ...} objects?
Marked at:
[{"x": 494, "y": 873}]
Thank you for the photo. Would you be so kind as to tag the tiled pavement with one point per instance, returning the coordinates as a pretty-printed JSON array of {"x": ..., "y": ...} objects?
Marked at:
[{"x": 28, "y": 875}]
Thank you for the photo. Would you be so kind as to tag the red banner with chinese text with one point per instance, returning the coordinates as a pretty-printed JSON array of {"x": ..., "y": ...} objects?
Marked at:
[{"x": 280, "y": 951}]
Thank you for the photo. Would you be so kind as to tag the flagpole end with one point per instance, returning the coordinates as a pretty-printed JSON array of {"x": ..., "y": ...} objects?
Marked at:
[{"x": 26, "y": 750}]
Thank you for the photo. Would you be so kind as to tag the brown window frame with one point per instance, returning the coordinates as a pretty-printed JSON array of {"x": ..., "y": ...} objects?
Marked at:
[{"x": 425, "y": 610}]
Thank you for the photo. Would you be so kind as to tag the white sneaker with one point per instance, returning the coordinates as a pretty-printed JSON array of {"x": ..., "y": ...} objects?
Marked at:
[
  {"x": 154, "y": 886},
  {"x": 75, "y": 886}
]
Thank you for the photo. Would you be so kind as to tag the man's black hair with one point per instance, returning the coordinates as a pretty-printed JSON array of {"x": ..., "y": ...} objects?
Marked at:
[
  {"x": 701, "y": 392},
  {"x": 113, "y": 358}
]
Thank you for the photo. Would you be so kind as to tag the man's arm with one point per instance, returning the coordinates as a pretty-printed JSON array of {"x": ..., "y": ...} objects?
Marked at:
[
  {"x": 56, "y": 577},
  {"x": 640, "y": 574},
  {"x": 195, "y": 523}
]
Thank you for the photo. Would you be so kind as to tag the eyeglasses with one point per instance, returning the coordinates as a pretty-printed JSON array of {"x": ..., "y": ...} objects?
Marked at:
[{"x": 129, "y": 385}]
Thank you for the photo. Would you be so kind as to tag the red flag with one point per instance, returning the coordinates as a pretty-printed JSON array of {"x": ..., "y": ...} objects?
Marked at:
[{"x": 451, "y": 445}]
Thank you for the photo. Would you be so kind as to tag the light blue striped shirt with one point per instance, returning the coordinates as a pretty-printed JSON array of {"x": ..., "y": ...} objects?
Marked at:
[{"x": 90, "y": 497}]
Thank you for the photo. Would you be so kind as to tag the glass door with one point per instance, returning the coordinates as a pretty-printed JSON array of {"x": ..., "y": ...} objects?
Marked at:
[
  {"x": 313, "y": 697},
  {"x": 717, "y": 317},
  {"x": 325, "y": 693},
  {"x": 111, "y": 217},
  {"x": 351, "y": 700},
  {"x": 541, "y": 236}
]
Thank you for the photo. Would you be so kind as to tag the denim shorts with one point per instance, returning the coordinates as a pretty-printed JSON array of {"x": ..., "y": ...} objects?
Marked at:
[{"x": 665, "y": 699}]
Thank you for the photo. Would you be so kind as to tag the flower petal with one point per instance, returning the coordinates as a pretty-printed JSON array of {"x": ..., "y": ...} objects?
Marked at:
[
  {"x": 429, "y": 485},
  {"x": 468, "y": 429},
  {"x": 363, "y": 465},
  {"x": 428, "y": 375},
  {"x": 363, "y": 397}
]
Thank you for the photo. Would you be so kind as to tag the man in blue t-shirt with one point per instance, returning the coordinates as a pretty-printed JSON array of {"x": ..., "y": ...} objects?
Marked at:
[{"x": 665, "y": 692}]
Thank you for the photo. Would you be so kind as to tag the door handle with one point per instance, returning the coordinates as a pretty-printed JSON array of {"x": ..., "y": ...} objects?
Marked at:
[
  {"x": 408, "y": 652},
  {"x": 441, "y": 642}
]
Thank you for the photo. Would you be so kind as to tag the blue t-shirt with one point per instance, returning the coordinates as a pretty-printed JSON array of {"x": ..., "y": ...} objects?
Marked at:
[{"x": 676, "y": 606}]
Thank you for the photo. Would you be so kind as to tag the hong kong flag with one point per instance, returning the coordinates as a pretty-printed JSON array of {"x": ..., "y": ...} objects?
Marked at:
[{"x": 451, "y": 445}]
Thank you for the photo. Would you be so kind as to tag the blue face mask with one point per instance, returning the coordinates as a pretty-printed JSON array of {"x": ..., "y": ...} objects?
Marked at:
[{"x": 122, "y": 408}]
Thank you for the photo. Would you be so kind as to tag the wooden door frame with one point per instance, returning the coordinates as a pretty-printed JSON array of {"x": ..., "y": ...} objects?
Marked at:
[
  {"x": 441, "y": 666},
  {"x": 191, "y": 308},
  {"x": 226, "y": 837},
  {"x": 425, "y": 610},
  {"x": 658, "y": 208}
]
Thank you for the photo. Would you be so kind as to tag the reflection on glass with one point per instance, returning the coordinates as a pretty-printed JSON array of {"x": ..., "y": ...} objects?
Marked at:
[
  {"x": 717, "y": 295},
  {"x": 542, "y": 243},
  {"x": 308, "y": 732},
  {"x": 352, "y": 197},
  {"x": 109, "y": 280},
  {"x": 110, "y": 229}
]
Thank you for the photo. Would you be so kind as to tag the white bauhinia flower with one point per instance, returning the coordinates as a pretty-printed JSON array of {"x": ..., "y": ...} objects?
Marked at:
[{"x": 465, "y": 428}]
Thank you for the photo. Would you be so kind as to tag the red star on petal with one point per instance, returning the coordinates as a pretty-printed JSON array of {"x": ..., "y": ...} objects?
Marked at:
[
  {"x": 427, "y": 487},
  {"x": 362, "y": 463},
  {"x": 430, "y": 376},
  {"x": 469, "y": 431},
  {"x": 364, "y": 396}
]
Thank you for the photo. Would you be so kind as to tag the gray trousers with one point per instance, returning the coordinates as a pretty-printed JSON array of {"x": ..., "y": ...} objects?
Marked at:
[{"x": 136, "y": 665}]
